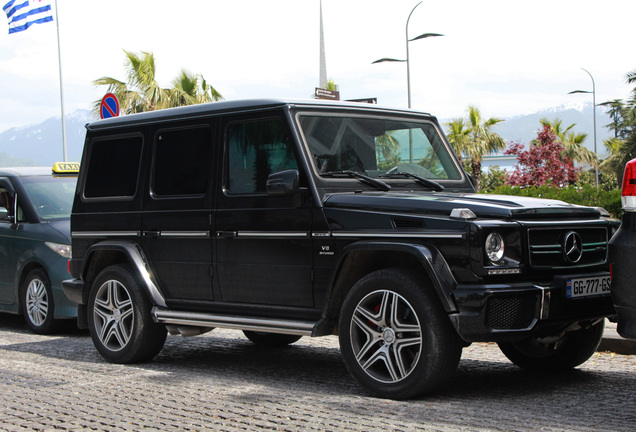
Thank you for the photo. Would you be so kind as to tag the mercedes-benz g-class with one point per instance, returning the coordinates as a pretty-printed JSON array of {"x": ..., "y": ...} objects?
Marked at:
[{"x": 308, "y": 218}]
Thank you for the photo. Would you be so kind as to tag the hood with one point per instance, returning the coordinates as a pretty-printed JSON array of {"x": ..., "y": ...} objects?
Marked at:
[
  {"x": 483, "y": 205},
  {"x": 63, "y": 226}
]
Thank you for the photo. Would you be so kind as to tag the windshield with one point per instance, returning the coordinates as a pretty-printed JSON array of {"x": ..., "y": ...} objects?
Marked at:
[
  {"x": 52, "y": 197},
  {"x": 378, "y": 147}
]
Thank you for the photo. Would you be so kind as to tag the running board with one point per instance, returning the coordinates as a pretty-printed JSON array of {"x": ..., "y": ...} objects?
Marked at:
[{"x": 198, "y": 319}]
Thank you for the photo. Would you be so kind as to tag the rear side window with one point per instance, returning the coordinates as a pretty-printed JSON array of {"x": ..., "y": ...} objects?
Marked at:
[
  {"x": 182, "y": 161},
  {"x": 257, "y": 149},
  {"x": 113, "y": 168}
]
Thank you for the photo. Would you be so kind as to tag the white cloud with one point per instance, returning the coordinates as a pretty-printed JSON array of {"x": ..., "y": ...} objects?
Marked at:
[{"x": 505, "y": 57}]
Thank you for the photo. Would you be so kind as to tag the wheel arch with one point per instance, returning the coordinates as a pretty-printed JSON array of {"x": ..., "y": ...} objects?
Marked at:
[
  {"x": 107, "y": 253},
  {"x": 362, "y": 258}
]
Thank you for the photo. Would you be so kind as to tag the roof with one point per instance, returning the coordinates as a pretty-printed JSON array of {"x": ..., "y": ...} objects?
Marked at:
[
  {"x": 230, "y": 106},
  {"x": 25, "y": 171}
]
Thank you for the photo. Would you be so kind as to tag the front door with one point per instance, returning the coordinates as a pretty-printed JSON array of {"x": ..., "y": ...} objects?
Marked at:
[
  {"x": 8, "y": 253},
  {"x": 263, "y": 246}
]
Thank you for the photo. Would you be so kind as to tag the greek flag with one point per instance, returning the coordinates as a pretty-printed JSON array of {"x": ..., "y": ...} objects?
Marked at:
[{"x": 23, "y": 13}]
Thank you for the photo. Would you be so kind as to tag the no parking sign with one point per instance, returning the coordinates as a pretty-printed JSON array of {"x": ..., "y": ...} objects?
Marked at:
[{"x": 109, "y": 106}]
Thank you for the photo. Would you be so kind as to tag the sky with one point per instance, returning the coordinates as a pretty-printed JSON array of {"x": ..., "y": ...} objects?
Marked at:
[{"x": 506, "y": 57}]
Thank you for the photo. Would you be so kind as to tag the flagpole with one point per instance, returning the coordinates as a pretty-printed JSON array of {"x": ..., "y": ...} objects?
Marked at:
[{"x": 59, "y": 62}]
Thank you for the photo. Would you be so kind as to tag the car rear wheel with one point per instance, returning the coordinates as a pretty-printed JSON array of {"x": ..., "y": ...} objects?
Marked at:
[
  {"x": 119, "y": 318},
  {"x": 395, "y": 337},
  {"x": 558, "y": 353},
  {"x": 270, "y": 339},
  {"x": 37, "y": 303}
]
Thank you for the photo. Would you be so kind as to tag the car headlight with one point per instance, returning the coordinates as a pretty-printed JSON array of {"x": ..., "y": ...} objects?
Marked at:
[
  {"x": 495, "y": 247},
  {"x": 60, "y": 249}
]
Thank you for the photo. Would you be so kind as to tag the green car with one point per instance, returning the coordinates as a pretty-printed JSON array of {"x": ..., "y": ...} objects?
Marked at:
[{"x": 35, "y": 208}]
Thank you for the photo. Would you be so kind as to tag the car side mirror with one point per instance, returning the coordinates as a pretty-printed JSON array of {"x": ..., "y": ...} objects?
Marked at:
[
  {"x": 4, "y": 214},
  {"x": 283, "y": 182}
]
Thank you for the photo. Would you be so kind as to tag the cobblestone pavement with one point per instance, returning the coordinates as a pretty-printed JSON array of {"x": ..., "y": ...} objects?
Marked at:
[{"x": 221, "y": 381}]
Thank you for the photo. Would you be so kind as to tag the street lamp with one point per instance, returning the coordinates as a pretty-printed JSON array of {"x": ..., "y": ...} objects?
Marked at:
[
  {"x": 594, "y": 117},
  {"x": 408, "y": 67}
]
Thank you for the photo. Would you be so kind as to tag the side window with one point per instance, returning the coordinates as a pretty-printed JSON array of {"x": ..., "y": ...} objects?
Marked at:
[
  {"x": 182, "y": 161},
  {"x": 6, "y": 202},
  {"x": 113, "y": 168},
  {"x": 257, "y": 149}
]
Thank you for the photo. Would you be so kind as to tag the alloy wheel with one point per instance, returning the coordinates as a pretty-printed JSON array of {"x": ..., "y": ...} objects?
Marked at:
[
  {"x": 386, "y": 336},
  {"x": 113, "y": 315},
  {"x": 37, "y": 302}
]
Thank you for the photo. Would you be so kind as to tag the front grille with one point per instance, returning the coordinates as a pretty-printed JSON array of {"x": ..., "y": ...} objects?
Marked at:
[
  {"x": 510, "y": 313},
  {"x": 547, "y": 246}
]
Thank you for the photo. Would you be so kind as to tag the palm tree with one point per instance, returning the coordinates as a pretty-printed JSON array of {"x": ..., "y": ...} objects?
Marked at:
[
  {"x": 190, "y": 89},
  {"x": 458, "y": 135},
  {"x": 481, "y": 140},
  {"x": 615, "y": 162},
  {"x": 623, "y": 146},
  {"x": 631, "y": 79},
  {"x": 141, "y": 92},
  {"x": 572, "y": 142},
  {"x": 387, "y": 149}
]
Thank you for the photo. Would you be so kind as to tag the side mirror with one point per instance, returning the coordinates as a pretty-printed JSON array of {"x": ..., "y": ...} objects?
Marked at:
[
  {"x": 4, "y": 214},
  {"x": 283, "y": 182}
]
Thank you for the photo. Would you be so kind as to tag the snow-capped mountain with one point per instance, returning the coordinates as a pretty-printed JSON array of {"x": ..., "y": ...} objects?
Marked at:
[
  {"x": 41, "y": 144},
  {"x": 524, "y": 128}
]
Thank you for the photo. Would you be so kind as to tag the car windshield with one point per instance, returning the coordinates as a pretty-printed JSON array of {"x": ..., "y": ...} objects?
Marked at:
[
  {"x": 378, "y": 147},
  {"x": 52, "y": 197}
]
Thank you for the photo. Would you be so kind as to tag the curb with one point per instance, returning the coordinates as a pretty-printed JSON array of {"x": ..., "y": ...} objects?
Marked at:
[{"x": 613, "y": 342}]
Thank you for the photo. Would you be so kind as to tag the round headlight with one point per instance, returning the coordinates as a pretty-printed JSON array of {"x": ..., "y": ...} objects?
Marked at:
[{"x": 494, "y": 247}]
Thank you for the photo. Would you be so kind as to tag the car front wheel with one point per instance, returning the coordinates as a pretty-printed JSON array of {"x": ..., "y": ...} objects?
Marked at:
[
  {"x": 119, "y": 318},
  {"x": 37, "y": 303},
  {"x": 557, "y": 353},
  {"x": 395, "y": 337}
]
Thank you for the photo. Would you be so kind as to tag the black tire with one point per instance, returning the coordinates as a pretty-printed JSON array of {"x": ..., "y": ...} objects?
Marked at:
[
  {"x": 270, "y": 339},
  {"x": 395, "y": 337},
  {"x": 38, "y": 307},
  {"x": 563, "y": 353},
  {"x": 119, "y": 318}
]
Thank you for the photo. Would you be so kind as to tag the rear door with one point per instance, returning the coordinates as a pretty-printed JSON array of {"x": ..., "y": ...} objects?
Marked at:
[{"x": 176, "y": 219}]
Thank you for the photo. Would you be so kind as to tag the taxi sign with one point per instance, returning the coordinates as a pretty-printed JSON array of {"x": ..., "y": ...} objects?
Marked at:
[{"x": 66, "y": 167}]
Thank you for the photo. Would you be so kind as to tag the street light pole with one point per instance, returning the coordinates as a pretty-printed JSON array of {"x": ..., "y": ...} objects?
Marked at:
[
  {"x": 594, "y": 119},
  {"x": 408, "y": 66}
]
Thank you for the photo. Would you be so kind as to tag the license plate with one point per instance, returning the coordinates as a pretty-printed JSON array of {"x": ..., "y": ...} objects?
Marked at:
[{"x": 586, "y": 287}]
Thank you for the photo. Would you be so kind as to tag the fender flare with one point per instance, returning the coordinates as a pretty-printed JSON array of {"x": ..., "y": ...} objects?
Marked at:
[
  {"x": 431, "y": 259},
  {"x": 137, "y": 260}
]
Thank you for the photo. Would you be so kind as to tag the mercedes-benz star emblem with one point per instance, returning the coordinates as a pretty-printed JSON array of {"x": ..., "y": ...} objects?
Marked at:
[{"x": 572, "y": 247}]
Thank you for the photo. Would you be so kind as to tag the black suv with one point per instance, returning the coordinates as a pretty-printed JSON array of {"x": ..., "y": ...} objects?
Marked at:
[{"x": 306, "y": 218}]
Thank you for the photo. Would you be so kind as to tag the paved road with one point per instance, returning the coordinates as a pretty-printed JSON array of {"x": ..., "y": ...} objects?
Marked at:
[{"x": 220, "y": 381}]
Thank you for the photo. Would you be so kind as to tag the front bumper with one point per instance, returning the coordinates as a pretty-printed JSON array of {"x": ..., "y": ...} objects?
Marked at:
[
  {"x": 509, "y": 312},
  {"x": 74, "y": 290}
]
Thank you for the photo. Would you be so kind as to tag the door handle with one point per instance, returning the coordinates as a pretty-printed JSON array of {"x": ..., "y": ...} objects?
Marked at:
[
  {"x": 152, "y": 233},
  {"x": 226, "y": 234}
]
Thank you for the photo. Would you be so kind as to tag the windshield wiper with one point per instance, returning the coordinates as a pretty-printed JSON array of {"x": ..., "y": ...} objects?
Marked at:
[
  {"x": 421, "y": 180},
  {"x": 378, "y": 184}
]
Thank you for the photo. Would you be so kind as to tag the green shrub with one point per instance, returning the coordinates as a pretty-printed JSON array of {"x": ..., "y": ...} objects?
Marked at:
[
  {"x": 492, "y": 179},
  {"x": 586, "y": 195}
]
